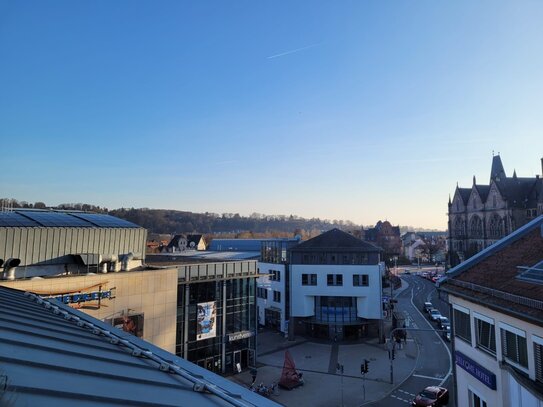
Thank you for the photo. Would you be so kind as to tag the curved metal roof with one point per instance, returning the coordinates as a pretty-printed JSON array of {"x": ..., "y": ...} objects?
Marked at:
[
  {"x": 52, "y": 218},
  {"x": 54, "y": 355}
]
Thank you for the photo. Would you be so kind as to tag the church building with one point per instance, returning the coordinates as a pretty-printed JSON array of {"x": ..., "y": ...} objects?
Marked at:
[{"x": 481, "y": 215}]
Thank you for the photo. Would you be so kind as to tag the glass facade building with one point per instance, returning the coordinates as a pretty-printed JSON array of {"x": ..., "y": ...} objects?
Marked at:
[{"x": 216, "y": 319}]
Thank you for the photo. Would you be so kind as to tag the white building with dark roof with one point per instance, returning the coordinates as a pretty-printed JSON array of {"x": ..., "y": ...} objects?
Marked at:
[
  {"x": 496, "y": 298},
  {"x": 328, "y": 286}
]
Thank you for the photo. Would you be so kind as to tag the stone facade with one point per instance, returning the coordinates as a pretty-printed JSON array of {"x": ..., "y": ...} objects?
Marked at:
[{"x": 481, "y": 215}]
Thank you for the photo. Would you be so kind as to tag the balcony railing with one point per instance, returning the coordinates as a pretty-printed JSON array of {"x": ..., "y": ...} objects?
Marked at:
[{"x": 517, "y": 299}]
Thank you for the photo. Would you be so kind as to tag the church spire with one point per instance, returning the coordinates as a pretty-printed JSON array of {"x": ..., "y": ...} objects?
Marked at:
[{"x": 497, "y": 172}]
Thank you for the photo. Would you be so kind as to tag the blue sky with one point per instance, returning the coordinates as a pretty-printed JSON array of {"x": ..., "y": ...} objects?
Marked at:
[{"x": 339, "y": 110}]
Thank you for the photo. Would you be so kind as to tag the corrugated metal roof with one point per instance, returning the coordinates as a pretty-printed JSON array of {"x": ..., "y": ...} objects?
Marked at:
[
  {"x": 51, "y": 354},
  {"x": 52, "y": 218}
]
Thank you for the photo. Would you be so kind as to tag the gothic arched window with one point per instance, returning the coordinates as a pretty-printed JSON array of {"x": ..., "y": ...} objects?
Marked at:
[
  {"x": 459, "y": 227},
  {"x": 495, "y": 227},
  {"x": 476, "y": 227}
]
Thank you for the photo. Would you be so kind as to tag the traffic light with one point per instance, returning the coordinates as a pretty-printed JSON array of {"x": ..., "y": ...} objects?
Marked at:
[{"x": 364, "y": 366}]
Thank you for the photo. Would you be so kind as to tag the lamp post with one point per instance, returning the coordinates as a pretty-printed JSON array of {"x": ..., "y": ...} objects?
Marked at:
[{"x": 340, "y": 368}]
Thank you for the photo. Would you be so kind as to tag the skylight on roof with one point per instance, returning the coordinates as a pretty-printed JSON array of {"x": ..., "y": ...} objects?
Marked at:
[{"x": 533, "y": 273}]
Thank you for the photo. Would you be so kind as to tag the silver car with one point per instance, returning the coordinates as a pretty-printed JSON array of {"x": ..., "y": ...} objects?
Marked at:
[{"x": 435, "y": 314}]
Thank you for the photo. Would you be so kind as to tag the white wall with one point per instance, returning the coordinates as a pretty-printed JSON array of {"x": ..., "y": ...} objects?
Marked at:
[
  {"x": 368, "y": 298},
  {"x": 271, "y": 286}
]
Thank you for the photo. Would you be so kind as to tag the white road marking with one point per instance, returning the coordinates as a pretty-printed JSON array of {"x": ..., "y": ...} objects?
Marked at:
[
  {"x": 449, "y": 373},
  {"x": 427, "y": 377},
  {"x": 399, "y": 398},
  {"x": 406, "y": 392}
]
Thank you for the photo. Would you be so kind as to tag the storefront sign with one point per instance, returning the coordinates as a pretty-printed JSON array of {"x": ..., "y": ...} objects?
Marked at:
[
  {"x": 76, "y": 298},
  {"x": 240, "y": 335},
  {"x": 476, "y": 370}
]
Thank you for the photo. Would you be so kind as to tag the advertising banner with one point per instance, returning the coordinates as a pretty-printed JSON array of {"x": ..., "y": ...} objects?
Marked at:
[
  {"x": 133, "y": 324},
  {"x": 206, "y": 321}
]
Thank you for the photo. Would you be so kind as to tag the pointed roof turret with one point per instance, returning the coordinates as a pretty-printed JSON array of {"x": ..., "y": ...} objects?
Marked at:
[
  {"x": 497, "y": 172},
  {"x": 515, "y": 173}
]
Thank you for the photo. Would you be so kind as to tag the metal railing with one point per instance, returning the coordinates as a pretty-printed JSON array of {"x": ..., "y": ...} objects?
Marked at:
[{"x": 517, "y": 299}]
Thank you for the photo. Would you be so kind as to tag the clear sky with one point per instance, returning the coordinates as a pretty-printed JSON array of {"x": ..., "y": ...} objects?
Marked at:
[{"x": 360, "y": 110}]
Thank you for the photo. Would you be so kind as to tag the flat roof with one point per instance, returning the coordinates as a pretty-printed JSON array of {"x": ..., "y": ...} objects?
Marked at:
[{"x": 55, "y": 218}]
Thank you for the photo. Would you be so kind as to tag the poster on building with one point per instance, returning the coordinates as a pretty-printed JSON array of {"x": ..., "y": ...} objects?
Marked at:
[
  {"x": 205, "y": 327},
  {"x": 133, "y": 324}
]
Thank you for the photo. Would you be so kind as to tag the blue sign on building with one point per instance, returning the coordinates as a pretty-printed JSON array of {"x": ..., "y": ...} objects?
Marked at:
[{"x": 476, "y": 370}]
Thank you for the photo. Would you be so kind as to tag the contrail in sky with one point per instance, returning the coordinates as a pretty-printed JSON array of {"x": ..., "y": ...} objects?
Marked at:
[{"x": 293, "y": 51}]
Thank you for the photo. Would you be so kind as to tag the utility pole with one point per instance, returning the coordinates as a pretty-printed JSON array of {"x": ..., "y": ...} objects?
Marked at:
[{"x": 340, "y": 368}]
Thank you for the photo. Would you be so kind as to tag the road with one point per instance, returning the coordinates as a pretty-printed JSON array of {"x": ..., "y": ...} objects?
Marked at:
[{"x": 434, "y": 362}]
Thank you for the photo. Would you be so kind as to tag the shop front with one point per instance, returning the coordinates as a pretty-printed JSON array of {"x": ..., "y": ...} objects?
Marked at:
[{"x": 216, "y": 324}]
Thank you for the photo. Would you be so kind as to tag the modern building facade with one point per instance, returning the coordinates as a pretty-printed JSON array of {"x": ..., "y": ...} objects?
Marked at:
[
  {"x": 496, "y": 298},
  {"x": 216, "y": 315},
  {"x": 481, "y": 215},
  {"x": 328, "y": 287}
]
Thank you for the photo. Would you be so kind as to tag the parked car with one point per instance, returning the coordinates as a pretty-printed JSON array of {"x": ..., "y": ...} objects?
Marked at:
[
  {"x": 432, "y": 396},
  {"x": 434, "y": 314},
  {"x": 427, "y": 307},
  {"x": 442, "y": 322},
  {"x": 407, "y": 272},
  {"x": 447, "y": 333}
]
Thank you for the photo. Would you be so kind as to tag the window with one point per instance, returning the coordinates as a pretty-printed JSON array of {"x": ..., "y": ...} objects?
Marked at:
[
  {"x": 475, "y": 400},
  {"x": 476, "y": 227},
  {"x": 360, "y": 280},
  {"x": 309, "y": 279},
  {"x": 262, "y": 293},
  {"x": 485, "y": 334},
  {"x": 538, "y": 359},
  {"x": 277, "y": 296},
  {"x": 334, "y": 279},
  {"x": 514, "y": 348},
  {"x": 495, "y": 229},
  {"x": 462, "y": 328},
  {"x": 275, "y": 275}
]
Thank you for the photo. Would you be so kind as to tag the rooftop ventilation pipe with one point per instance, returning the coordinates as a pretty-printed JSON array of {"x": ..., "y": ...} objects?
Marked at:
[
  {"x": 103, "y": 268},
  {"x": 126, "y": 261},
  {"x": 9, "y": 268}
]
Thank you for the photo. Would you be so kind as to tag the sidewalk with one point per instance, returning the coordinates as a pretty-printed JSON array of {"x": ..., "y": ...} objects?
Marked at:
[{"x": 317, "y": 361}]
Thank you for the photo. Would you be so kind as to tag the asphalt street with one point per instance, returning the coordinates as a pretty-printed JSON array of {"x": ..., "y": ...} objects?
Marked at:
[{"x": 433, "y": 365}]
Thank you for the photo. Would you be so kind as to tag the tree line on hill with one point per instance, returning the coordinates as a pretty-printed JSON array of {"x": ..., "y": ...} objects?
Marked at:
[{"x": 225, "y": 225}]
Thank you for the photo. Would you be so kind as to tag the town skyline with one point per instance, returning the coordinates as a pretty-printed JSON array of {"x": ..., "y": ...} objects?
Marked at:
[{"x": 354, "y": 111}]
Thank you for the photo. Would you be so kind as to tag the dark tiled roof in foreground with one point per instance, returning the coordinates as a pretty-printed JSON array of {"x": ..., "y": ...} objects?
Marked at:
[
  {"x": 53, "y": 355},
  {"x": 336, "y": 239},
  {"x": 491, "y": 277},
  {"x": 52, "y": 218}
]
